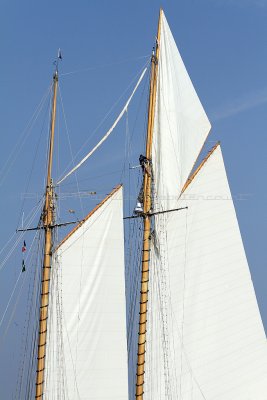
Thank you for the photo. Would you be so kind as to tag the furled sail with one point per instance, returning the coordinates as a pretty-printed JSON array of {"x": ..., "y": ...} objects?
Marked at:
[
  {"x": 181, "y": 125},
  {"x": 205, "y": 337},
  {"x": 86, "y": 349}
]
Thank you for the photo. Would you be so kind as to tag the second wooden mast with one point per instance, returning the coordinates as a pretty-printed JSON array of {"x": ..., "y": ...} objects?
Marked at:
[
  {"x": 140, "y": 374},
  {"x": 48, "y": 217}
]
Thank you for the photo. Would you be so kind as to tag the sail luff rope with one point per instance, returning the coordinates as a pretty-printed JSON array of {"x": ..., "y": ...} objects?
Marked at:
[{"x": 104, "y": 138}]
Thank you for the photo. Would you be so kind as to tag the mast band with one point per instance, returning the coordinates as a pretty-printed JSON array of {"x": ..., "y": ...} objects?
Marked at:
[
  {"x": 41, "y": 345},
  {"x": 38, "y": 384},
  {"x": 141, "y": 354},
  {"x": 46, "y": 280},
  {"x": 45, "y": 293},
  {"x": 140, "y": 365},
  {"x": 140, "y": 384},
  {"x": 46, "y": 305},
  {"x": 141, "y": 313}
]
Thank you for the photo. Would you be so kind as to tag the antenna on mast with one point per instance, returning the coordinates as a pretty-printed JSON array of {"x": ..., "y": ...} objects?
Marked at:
[{"x": 59, "y": 57}]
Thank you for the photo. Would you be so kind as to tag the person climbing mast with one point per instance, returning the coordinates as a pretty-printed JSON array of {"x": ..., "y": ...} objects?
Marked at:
[{"x": 145, "y": 165}]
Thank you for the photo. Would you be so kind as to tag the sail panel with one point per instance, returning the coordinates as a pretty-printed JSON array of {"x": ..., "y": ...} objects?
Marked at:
[
  {"x": 180, "y": 126},
  {"x": 87, "y": 351},
  {"x": 205, "y": 338}
]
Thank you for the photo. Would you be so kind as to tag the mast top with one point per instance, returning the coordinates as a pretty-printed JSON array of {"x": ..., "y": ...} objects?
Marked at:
[{"x": 56, "y": 63}]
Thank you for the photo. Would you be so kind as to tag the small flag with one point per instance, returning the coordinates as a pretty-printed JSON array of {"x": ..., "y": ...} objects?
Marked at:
[
  {"x": 23, "y": 269},
  {"x": 24, "y": 248}
]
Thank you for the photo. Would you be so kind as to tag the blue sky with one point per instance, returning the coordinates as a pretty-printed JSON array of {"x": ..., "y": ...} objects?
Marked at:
[{"x": 105, "y": 45}]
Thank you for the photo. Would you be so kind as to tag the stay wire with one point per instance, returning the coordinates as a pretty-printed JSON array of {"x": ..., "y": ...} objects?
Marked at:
[
  {"x": 131, "y": 134},
  {"x": 11, "y": 297},
  {"x": 103, "y": 120},
  {"x": 22, "y": 139},
  {"x": 70, "y": 148},
  {"x": 103, "y": 66},
  {"x": 30, "y": 388},
  {"x": 21, "y": 235},
  {"x": 32, "y": 166},
  {"x": 82, "y": 209},
  {"x": 29, "y": 341}
]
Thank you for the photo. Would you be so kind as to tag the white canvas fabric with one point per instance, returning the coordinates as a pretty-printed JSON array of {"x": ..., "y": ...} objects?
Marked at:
[
  {"x": 181, "y": 125},
  {"x": 205, "y": 335},
  {"x": 87, "y": 351}
]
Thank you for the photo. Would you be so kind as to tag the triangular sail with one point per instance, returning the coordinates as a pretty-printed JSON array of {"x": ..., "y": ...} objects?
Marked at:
[
  {"x": 205, "y": 339},
  {"x": 87, "y": 352},
  {"x": 181, "y": 125}
]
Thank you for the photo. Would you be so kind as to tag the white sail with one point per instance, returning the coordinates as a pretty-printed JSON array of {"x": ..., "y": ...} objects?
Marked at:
[
  {"x": 86, "y": 348},
  {"x": 181, "y": 125},
  {"x": 205, "y": 337}
]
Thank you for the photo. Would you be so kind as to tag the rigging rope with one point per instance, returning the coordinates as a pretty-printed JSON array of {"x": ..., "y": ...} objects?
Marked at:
[
  {"x": 29, "y": 342},
  {"x": 21, "y": 235},
  {"x": 70, "y": 148},
  {"x": 105, "y": 117},
  {"x": 12, "y": 294},
  {"x": 23, "y": 137},
  {"x": 104, "y": 138},
  {"x": 104, "y": 65}
]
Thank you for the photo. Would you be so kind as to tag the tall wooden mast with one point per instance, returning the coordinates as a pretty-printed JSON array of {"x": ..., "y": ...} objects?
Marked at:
[
  {"x": 140, "y": 374},
  {"x": 48, "y": 227}
]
